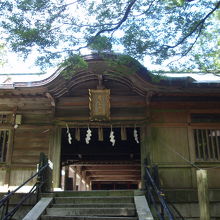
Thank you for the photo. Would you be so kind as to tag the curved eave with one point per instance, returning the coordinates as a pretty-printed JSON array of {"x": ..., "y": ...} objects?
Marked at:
[{"x": 141, "y": 81}]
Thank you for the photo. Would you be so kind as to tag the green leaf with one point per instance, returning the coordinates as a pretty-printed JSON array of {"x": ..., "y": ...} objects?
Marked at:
[{"x": 73, "y": 64}]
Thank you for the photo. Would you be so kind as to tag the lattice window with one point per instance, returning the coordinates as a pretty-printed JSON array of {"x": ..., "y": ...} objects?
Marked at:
[
  {"x": 5, "y": 118},
  {"x": 207, "y": 144}
]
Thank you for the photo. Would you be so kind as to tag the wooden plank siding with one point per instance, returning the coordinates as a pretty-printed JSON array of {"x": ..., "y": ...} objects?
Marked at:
[
  {"x": 20, "y": 175},
  {"x": 28, "y": 143},
  {"x": 168, "y": 144},
  {"x": 122, "y": 108},
  {"x": 30, "y": 138},
  {"x": 172, "y": 143},
  {"x": 2, "y": 175}
]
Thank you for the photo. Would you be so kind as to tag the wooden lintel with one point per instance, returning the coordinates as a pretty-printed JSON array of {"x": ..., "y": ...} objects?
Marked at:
[
  {"x": 107, "y": 164},
  {"x": 165, "y": 124},
  {"x": 114, "y": 173},
  {"x": 110, "y": 168},
  {"x": 35, "y": 126},
  {"x": 130, "y": 178},
  {"x": 35, "y": 111},
  {"x": 204, "y": 125},
  {"x": 6, "y": 126},
  {"x": 84, "y": 123}
]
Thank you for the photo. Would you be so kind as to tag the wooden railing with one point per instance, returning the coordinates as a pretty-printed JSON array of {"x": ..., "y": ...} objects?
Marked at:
[
  {"x": 43, "y": 184},
  {"x": 161, "y": 208}
]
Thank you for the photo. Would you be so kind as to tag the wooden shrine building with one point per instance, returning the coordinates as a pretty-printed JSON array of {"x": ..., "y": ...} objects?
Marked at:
[{"x": 101, "y": 124}]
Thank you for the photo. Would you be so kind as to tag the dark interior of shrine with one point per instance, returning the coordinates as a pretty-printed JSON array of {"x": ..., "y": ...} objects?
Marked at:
[
  {"x": 106, "y": 166},
  {"x": 123, "y": 150}
]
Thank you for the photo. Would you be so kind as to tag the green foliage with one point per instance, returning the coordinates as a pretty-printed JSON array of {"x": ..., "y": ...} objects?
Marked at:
[
  {"x": 123, "y": 65},
  {"x": 73, "y": 64},
  {"x": 174, "y": 3},
  {"x": 100, "y": 44},
  {"x": 181, "y": 34}
]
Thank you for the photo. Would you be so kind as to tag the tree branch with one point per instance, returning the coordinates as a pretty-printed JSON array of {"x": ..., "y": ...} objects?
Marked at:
[
  {"x": 201, "y": 23},
  {"x": 188, "y": 50},
  {"x": 68, "y": 4},
  {"x": 128, "y": 10},
  {"x": 148, "y": 9}
]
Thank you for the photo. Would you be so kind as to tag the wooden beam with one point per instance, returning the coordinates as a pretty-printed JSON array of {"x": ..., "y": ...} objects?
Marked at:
[
  {"x": 116, "y": 175},
  {"x": 115, "y": 101},
  {"x": 166, "y": 124},
  {"x": 64, "y": 120},
  {"x": 109, "y": 173},
  {"x": 109, "y": 168},
  {"x": 116, "y": 178},
  {"x": 35, "y": 126},
  {"x": 106, "y": 164}
]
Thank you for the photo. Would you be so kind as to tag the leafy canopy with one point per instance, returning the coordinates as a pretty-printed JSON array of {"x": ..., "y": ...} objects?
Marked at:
[{"x": 182, "y": 34}]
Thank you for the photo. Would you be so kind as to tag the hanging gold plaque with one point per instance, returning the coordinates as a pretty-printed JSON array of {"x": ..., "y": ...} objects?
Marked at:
[{"x": 99, "y": 104}]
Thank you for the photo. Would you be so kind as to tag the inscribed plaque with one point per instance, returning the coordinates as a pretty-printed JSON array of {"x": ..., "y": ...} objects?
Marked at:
[{"x": 99, "y": 104}]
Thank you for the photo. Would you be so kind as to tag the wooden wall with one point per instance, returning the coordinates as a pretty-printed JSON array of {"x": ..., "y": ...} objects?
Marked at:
[
  {"x": 171, "y": 143},
  {"x": 166, "y": 135},
  {"x": 28, "y": 143},
  {"x": 122, "y": 108},
  {"x": 2, "y": 175},
  {"x": 28, "y": 139}
]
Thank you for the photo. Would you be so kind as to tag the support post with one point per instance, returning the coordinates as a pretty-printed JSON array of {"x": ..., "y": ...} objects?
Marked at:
[
  {"x": 46, "y": 175},
  {"x": 202, "y": 184},
  {"x": 74, "y": 179},
  {"x": 66, "y": 178},
  {"x": 55, "y": 156},
  {"x": 80, "y": 183}
]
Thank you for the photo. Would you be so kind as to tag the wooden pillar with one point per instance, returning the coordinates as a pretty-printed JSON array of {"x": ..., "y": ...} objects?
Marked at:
[
  {"x": 80, "y": 183},
  {"x": 88, "y": 183},
  {"x": 66, "y": 177},
  {"x": 74, "y": 179},
  {"x": 56, "y": 152},
  {"x": 83, "y": 180},
  {"x": 203, "y": 195},
  {"x": 9, "y": 156}
]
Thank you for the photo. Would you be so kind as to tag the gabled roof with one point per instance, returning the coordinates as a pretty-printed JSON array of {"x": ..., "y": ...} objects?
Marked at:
[{"x": 135, "y": 76}]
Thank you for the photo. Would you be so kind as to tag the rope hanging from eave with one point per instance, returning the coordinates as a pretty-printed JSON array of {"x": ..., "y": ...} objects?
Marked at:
[
  {"x": 101, "y": 134},
  {"x": 68, "y": 133}
]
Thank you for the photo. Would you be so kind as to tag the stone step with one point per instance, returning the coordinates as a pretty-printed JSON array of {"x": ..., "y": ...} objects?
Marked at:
[
  {"x": 58, "y": 217},
  {"x": 92, "y": 205},
  {"x": 94, "y": 199},
  {"x": 90, "y": 193},
  {"x": 91, "y": 212},
  {"x": 96, "y": 205}
]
